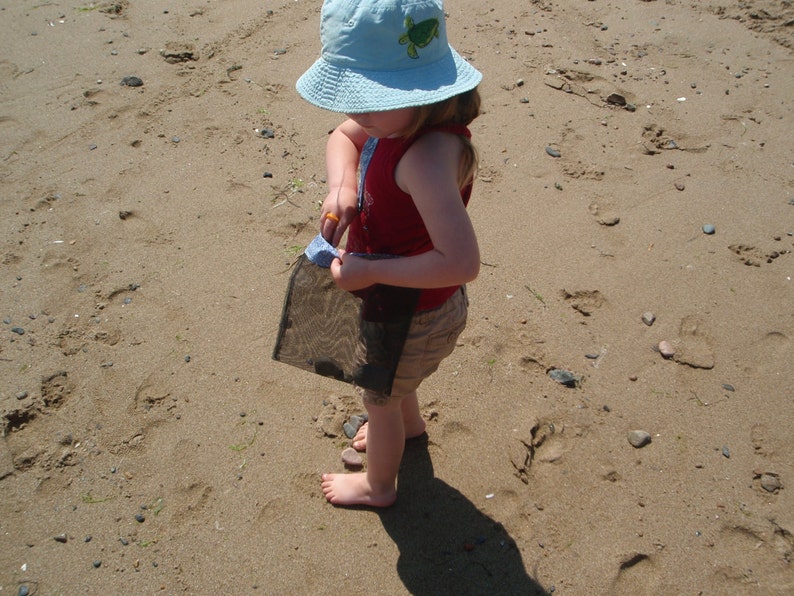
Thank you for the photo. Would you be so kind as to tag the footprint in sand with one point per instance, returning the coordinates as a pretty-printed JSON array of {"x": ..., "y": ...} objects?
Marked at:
[
  {"x": 636, "y": 575},
  {"x": 584, "y": 302},
  {"x": 539, "y": 443}
]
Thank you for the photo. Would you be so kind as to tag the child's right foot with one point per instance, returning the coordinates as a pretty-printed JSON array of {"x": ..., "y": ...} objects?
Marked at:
[
  {"x": 360, "y": 440},
  {"x": 354, "y": 489}
]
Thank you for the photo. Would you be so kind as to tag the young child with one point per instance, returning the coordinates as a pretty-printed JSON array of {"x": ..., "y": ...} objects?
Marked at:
[{"x": 387, "y": 65}]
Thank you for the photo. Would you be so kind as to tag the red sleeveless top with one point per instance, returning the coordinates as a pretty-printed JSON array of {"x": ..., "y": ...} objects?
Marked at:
[{"x": 388, "y": 222}]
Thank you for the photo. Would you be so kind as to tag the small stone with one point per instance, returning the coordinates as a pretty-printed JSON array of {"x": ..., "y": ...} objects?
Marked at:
[
  {"x": 666, "y": 349},
  {"x": 62, "y": 538},
  {"x": 726, "y": 452},
  {"x": 18, "y": 330},
  {"x": 553, "y": 152},
  {"x": 267, "y": 133},
  {"x": 267, "y": 174},
  {"x": 563, "y": 377},
  {"x": 648, "y": 318},
  {"x": 132, "y": 81},
  {"x": 352, "y": 458},
  {"x": 351, "y": 427},
  {"x": 187, "y": 358},
  {"x": 709, "y": 229},
  {"x": 771, "y": 482},
  {"x": 680, "y": 186},
  {"x": 140, "y": 518},
  {"x": 23, "y": 591},
  {"x": 728, "y": 387},
  {"x": 520, "y": 83},
  {"x": 175, "y": 139},
  {"x": 638, "y": 438},
  {"x": 22, "y": 395},
  {"x": 97, "y": 564}
]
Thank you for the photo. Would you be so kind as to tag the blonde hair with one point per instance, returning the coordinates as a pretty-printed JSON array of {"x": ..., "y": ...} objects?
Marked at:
[{"x": 458, "y": 109}]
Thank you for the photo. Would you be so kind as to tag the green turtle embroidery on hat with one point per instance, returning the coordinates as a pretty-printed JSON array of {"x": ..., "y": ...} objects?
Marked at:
[
  {"x": 418, "y": 36},
  {"x": 358, "y": 71}
]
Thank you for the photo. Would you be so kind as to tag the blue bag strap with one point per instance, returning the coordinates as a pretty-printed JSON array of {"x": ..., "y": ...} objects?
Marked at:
[{"x": 366, "y": 155}]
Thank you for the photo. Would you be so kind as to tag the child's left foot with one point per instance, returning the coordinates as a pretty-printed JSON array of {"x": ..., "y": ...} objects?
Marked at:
[
  {"x": 360, "y": 440},
  {"x": 354, "y": 489}
]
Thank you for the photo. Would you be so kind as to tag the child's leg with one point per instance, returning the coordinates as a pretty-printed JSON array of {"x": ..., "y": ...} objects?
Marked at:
[
  {"x": 377, "y": 486},
  {"x": 413, "y": 423}
]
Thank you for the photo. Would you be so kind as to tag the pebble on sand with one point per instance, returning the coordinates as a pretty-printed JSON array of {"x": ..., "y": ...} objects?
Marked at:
[
  {"x": 771, "y": 482},
  {"x": 352, "y": 458},
  {"x": 709, "y": 229},
  {"x": 666, "y": 349},
  {"x": 648, "y": 318},
  {"x": 564, "y": 377},
  {"x": 638, "y": 438},
  {"x": 132, "y": 81}
]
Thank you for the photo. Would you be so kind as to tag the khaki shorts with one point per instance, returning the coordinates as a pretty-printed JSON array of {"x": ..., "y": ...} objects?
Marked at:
[{"x": 431, "y": 338}]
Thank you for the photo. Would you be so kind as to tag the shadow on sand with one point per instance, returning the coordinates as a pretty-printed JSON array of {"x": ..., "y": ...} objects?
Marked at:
[{"x": 448, "y": 546}]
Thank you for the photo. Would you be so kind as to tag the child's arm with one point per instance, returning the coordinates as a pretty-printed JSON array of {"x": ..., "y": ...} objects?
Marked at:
[
  {"x": 428, "y": 172},
  {"x": 341, "y": 160}
]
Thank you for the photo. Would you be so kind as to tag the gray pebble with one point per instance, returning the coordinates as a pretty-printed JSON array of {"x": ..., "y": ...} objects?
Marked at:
[
  {"x": 350, "y": 431},
  {"x": 709, "y": 229},
  {"x": 563, "y": 377},
  {"x": 23, "y": 591},
  {"x": 638, "y": 438},
  {"x": 267, "y": 174},
  {"x": 97, "y": 564},
  {"x": 140, "y": 518},
  {"x": 22, "y": 395},
  {"x": 771, "y": 483},
  {"x": 267, "y": 133},
  {"x": 132, "y": 81},
  {"x": 18, "y": 330},
  {"x": 553, "y": 152},
  {"x": 351, "y": 427},
  {"x": 175, "y": 139},
  {"x": 648, "y": 318},
  {"x": 187, "y": 358},
  {"x": 726, "y": 452},
  {"x": 60, "y": 538},
  {"x": 728, "y": 387},
  {"x": 352, "y": 458}
]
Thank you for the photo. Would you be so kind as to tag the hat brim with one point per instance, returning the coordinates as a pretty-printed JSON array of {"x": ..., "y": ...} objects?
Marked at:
[{"x": 356, "y": 91}]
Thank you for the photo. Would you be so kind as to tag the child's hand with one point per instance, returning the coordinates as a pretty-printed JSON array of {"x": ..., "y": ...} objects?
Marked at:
[
  {"x": 352, "y": 273},
  {"x": 339, "y": 209}
]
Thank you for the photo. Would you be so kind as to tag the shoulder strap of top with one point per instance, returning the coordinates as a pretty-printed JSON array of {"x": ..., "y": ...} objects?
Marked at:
[{"x": 363, "y": 164}]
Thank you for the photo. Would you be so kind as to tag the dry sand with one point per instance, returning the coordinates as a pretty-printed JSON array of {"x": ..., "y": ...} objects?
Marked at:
[{"x": 145, "y": 257}]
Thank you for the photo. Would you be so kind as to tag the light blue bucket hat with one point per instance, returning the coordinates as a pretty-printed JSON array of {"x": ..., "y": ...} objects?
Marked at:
[{"x": 380, "y": 55}]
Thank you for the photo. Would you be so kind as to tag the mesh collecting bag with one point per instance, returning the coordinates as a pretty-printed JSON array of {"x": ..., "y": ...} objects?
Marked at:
[{"x": 355, "y": 338}]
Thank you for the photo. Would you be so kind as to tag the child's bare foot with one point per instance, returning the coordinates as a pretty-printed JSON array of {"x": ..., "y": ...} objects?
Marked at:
[
  {"x": 354, "y": 489},
  {"x": 360, "y": 440}
]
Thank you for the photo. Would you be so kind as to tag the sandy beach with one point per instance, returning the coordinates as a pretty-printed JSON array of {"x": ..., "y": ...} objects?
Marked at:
[{"x": 635, "y": 212}]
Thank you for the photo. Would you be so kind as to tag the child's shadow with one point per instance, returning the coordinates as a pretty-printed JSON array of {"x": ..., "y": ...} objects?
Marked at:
[{"x": 448, "y": 546}]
